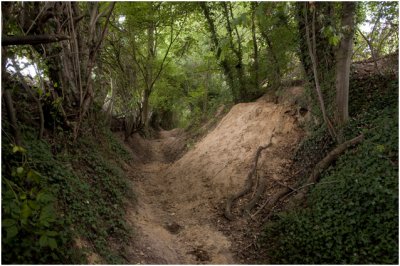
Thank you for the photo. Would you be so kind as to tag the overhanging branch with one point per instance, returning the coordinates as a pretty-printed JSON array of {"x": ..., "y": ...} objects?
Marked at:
[{"x": 31, "y": 39}]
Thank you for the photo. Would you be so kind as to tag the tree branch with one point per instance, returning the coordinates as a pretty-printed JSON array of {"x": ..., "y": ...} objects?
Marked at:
[
  {"x": 167, "y": 52},
  {"x": 32, "y": 39}
]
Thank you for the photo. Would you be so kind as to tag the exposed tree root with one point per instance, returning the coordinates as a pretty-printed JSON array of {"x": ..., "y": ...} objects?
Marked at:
[
  {"x": 248, "y": 185},
  {"x": 331, "y": 157},
  {"x": 259, "y": 192},
  {"x": 315, "y": 175}
]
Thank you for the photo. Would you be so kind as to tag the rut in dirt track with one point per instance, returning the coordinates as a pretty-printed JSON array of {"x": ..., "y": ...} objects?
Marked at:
[{"x": 178, "y": 217}]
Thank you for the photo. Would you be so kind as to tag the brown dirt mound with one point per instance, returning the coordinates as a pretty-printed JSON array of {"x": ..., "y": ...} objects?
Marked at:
[
  {"x": 222, "y": 158},
  {"x": 179, "y": 214}
]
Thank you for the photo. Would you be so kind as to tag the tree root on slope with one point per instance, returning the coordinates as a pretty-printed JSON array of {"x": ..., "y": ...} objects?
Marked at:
[
  {"x": 313, "y": 178},
  {"x": 248, "y": 185},
  {"x": 259, "y": 192}
]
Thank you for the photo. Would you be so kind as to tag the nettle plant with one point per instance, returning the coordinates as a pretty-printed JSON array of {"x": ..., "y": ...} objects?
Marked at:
[{"x": 29, "y": 218}]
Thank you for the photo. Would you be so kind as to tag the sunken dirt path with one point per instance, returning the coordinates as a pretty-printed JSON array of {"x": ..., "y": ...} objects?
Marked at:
[{"x": 178, "y": 217}]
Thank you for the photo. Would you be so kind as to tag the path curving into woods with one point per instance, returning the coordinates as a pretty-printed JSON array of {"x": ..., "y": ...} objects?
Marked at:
[{"x": 178, "y": 217}]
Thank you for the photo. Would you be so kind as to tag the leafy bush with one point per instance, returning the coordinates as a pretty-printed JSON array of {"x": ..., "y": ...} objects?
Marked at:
[
  {"x": 352, "y": 214},
  {"x": 33, "y": 228},
  {"x": 48, "y": 201}
]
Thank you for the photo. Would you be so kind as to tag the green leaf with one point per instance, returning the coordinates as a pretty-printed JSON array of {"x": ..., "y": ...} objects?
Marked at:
[
  {"x": 334, "y": 40},
  {"x": 52, "y": 243},
  {"x": 25, "y": 211},
  {"x": 380, "y": 148},
  {"x": 34, "y": 176},
  {"x": 20, "y": 170},
  {"x": 33, "y": 205},
  {"x": 8, "y": 222},
  {"x": 44, "y": 197},
  {"x": 47, "y": 215},
  {"x": 51, "y": 233},
  {"x": 18, "y": 149},
  {"x": 43, "y": 241},
  {"x": 11, "y": 232},
  {"x": 15, "y": 149}
]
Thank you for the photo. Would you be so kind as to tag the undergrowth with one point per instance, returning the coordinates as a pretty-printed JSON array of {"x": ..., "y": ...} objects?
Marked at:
[
  {"x": 56, "y": 193},
  {"x": 352, "y": 214}
]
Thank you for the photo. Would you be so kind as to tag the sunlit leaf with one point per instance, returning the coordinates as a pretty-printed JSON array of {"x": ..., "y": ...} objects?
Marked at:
[{"x": 20, "y": 170}]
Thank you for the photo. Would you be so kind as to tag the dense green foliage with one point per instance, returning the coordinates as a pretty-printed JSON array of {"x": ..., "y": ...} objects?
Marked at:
[
  {"x": 352, "y": 214},
  {"x": 32, "y": 230},
  {"x": 49, "y": 201},
  {"x": 163, "y": 57}
]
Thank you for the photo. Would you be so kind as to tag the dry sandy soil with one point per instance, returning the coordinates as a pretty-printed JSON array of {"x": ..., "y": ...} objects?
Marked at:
[{"x": 178, "y": 218}]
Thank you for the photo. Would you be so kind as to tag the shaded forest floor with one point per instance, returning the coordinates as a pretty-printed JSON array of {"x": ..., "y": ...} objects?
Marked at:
[{"x": 178, "y": 218}]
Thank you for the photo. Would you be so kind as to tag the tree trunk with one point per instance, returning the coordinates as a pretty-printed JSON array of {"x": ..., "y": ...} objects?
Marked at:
[
  {"x": 277, "y": 80},
  {"x": 6, "y": 93},
  {"x": 255, "y": 47},
  {"x": 239, "y": 54},
  {"x": 12, "y": 116},
  {"x": 223, "y": 63},
  {"x": 324, "y": 52},
  {"x": 149, "y": 73},
  {"x": 242, "y": 91},
  {"x": 145, "y": 114},
  {"x": 343, "y": 61},
  {"x": 110, "y": 106}
]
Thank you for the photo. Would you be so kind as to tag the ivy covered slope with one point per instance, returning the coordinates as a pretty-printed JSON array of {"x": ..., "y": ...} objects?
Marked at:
[
  {"x": 352, "y": 214},
  {"x": 61, "y": 199}
]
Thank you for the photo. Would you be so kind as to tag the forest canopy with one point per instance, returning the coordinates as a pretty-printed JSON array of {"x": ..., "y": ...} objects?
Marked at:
[{"x": 173, "y": 64}]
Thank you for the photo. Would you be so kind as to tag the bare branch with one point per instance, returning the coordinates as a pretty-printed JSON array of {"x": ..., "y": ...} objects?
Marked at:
[{"x": 32, "y": 39}]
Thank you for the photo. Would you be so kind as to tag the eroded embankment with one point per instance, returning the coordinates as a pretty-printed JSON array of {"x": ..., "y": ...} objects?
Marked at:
[{"x": 178, "y": 217}]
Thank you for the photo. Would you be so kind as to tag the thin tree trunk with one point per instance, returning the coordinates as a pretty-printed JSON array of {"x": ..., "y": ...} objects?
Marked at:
[
  {"x": 239, "y": 55},
  {"x": 312, "y": 52},
  {"x": 149, "y": 73},
  {"x": 111, "y": 103},
  {"x": 218, "y": 51},
  {"x": 343, "y": 61},
  {"x": 92, "y": 50},
  {"x": 277, "y": 80},
  {"x": 145, "y": 117},
  {"x": 206, "y": 89},
  {"x": 255, "y": 46},
  {"x": 12, "y": 116}
]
